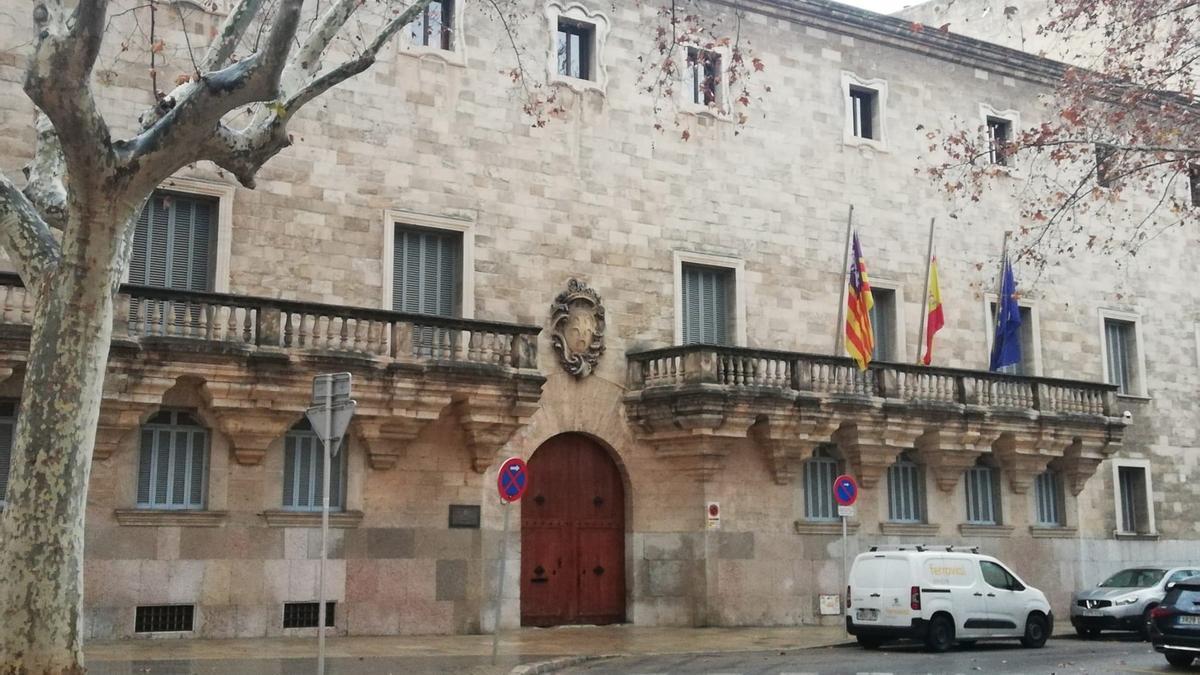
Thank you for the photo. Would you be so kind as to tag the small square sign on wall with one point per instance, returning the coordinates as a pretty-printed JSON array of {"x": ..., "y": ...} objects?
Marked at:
[
  {"x": 712, "y": 514},
  {"x": 829, "y": 604}
]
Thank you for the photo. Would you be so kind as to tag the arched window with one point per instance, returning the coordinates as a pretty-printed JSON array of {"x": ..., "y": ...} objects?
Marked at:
[
  {"x": 906, "y": 493},
  {"x": 983, "y": 495},
  {"x": 173, "y": 462},
  {"x": 819, "y": 472},
  {"x": 1048, "y": 498},
  {"x": 304, "y": 471}
]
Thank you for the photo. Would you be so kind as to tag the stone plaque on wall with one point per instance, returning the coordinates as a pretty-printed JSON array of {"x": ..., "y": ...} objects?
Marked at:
[
  {"x": 577, "y": 328},
  {"x": 464, "y": 516}
]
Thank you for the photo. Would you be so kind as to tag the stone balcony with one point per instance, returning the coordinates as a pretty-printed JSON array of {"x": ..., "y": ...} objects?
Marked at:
[
  {"x": 698, "y": 404},
  {"x": 249, "y": 362}
]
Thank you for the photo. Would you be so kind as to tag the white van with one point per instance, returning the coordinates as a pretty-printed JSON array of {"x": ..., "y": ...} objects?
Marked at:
[{"x": 941, "y": 596}]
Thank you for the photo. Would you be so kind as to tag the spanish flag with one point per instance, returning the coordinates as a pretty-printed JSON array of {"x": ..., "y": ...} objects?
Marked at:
[
  {"x": 860, "y": 336},
  {"x": 934, "y": 319}
]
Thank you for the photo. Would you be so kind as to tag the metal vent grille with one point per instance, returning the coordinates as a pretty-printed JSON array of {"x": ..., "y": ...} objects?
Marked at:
[
  {"x": 306, "y": 614},
  {"x": 164, "y": 618}
]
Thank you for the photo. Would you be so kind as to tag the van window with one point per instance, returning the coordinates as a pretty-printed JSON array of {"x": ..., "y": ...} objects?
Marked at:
[
  {"x": 998, "y": 577},
  {"x": 880, "y": 573},
  {"x": 955, "y": 572}
]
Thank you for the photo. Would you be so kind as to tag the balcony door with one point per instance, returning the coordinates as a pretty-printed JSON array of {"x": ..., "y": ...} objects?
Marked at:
[{"x": 572, "y": 536}]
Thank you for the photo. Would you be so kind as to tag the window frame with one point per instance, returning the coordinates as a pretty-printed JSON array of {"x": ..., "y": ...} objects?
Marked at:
[
  {"x": 974, "y": 476},
  {"x": 1104, "y": 154},
  {"x": 7, "y": 465},
  {"x": 463, "y": 225},
  {"x": 1057, "y": 498},
  {"x": 1148, "y": 489},
  {"x": 599, "y": 23},
  {"x": 205, "y": 477},
  {"x": 737, "y": 332},
  {"x": 900, "y": 342},
  {"x": 1193, "y": 183},
  {"x": 918, "y": 478},
  {"x": 456, "y": 54},
  {"x": 1035, "y": 328},
  {"x": 223, "y": 231},
  {"x": 826, "y": 456},
  {"x": 720, "y": 107},
  {"x": 340, "y": 460},
  {"x": 850, "y": 82},
  {"x": 1138, "y": 380},
  {"x": 1012, "y": 119}
]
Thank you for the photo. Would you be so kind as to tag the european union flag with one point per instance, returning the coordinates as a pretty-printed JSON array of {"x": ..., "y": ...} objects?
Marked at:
[{"x": 1006, "y": 345}]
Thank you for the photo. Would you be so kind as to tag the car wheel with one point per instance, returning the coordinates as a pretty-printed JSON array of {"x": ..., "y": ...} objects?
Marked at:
[
  {"x": 1144, "y": 628},
  {"x": 940, "y": 635},
  {"x": 1036, "y": 631},
  {"x": 1179, "y": 659},
  {"x": 869, "y": 642},
  {"x": 1086, "y": 633}
]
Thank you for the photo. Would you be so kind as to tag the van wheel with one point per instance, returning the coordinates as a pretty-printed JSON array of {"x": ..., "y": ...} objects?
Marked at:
[
  {"x": 940, "y": 635},
  {"x": 1036, "y": 631},
  {"x": 1179, "y": 659},
  {"x": 869, "y": 642}
]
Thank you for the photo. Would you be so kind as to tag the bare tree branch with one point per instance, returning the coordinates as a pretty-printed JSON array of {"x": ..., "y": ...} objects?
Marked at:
[
  {"x": 307, "y": 61},
  {"x": 231, "y": 34},
  {"x": 44, "y": 175},
  {"x": 25, "y": 235}
]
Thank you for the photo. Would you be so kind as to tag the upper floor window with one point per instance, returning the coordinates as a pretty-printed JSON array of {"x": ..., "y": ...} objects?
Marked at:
[
  {"x": 172, "y": 462},
  {"x": 576, "y": 44},
  {"x": 707, "y": 304},
  {"x": 1120, "y": 348},
  {"x": 1048, "y": 498},
  {"x": 864, "y": 112},
  {"x": 1106, "y": 160},
  {"x": 1194, "y": 182},
  {"x": 999, "y": 131},
  {"x": 865, "y": 102},
  {"x": 906, "y": 491},
  {"x": 426, "y": 271},
  {"x": 1028, "y": 365},
  {"x": 434, "y": 26},
  {"x": 983, "y": 495},
  {"x": 304, "y": 471},
  {"x": 1134, "y": 504},
  {"x": 883, "y": 321},
  {"x": 819, "y": 472},
  {"x": 703, "y": 77},
  {"x": 8, "y": 431},
  {"x": 174, "y": 243}
]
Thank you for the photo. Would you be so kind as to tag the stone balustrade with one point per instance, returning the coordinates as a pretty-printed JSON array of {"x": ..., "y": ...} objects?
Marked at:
[{"x": 696, "y": 403}]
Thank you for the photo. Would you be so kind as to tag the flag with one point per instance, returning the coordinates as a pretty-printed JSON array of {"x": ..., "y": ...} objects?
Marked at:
[
  {"x": 1006, "y": 345},
  {"x": 860, "y": 337},
  {"x": 934, "y": 319}
]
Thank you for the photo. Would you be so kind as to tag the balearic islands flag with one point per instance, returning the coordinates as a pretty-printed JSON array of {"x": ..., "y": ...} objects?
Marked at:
[
  {"x": 935, "y": 319},
  {"x": 860, "y": 336}
]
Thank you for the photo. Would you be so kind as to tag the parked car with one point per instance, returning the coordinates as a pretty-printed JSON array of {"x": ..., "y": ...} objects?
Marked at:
[
  {"x": 1124, "y": 600},
  {"x": 1175, "y": 623},
  {"x": 941, "y": 596}
]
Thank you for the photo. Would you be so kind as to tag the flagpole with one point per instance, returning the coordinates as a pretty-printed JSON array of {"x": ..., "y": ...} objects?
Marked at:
[
  {"x": 925, "y": 295},
  {"x": 840, "y": 329},
  {"x": 999, "y": 290}
]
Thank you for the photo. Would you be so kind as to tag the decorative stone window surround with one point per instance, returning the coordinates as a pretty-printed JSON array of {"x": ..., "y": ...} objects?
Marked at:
[
  {"x": 455, "y": 56},
  {"x": 224, "y": 193},
  {"x": 1140, "y": 390},
  {"x": 990, "y": 328},
  {"x": 880, "y": 87},
  {"x": 600, "y": 23},
  {"x": 738, "y": 268},
  {"x": 1144, "y": 465},
  {"x": 899, "y": 322},
  {"x": 463, "y": 224},
  {"x": 1013, "y": 117},
  {"x": 722, "y": 107}
]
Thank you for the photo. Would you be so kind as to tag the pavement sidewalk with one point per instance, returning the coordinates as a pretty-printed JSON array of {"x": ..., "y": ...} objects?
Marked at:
[{"x": 528, "y": 650}]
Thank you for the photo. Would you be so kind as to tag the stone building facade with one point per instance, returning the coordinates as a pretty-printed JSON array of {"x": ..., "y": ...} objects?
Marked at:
[{"x": 421, "y": 187}]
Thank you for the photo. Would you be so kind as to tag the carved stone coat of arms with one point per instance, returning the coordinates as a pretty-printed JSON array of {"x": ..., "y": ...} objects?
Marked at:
[{"x": 577, "y": 328}]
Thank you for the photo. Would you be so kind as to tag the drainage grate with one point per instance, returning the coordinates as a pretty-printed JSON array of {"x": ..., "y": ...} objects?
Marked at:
[
  {"x": 164, "y": 618},
  {"x": 306, "y": 614}
]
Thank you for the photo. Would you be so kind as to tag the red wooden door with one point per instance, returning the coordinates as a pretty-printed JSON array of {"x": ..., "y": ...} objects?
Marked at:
[{"x": 572, "y": 536}]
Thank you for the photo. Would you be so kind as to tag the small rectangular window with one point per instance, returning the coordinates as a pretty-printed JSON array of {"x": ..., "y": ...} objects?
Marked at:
[
  {"x": 1027, "y": 367},
  {"x": 434, "y": 26},
  {"x": 1132, "y": 487},
  {"x": 999, "y": 136},
  {"x": 1194, "y": 182},
  {"x": 819, "y": 473},
  {"x": 1106, "y": 158},
  {"x": 575, "y": 48},
  {"x": 906, "y": 496},
  {"x": 707, "y": 304},
  {"x": 164, "y": 618},
  {"x": 982, "y": 495},
  {"x": 172, "y": 462},
  {"x": 883, "y": 321},
  {"x": 307, "y": 614},
  {"x": 1120, "y": 344},
  {"x": 8, "y": 430},
  {"x": 703, "y": 76},
  {"x": 864, "y": 104},
  {"x": 304, "y": 472},
  {"x": 1047, "y": 494}
]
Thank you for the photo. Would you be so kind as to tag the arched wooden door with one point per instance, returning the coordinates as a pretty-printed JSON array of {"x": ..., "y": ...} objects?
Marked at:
[{"x": 572, "y": 536}]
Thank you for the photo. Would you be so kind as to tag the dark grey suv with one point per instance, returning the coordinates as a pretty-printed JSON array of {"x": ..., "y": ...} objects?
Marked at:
[{"x": 1124, "y": 600}]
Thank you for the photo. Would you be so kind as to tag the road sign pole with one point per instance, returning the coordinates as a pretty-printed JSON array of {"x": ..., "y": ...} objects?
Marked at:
[
  {"x": 324, "y": 533},
  {"x": 845, "y": 601},
  {"x": 507, "y": 506}
]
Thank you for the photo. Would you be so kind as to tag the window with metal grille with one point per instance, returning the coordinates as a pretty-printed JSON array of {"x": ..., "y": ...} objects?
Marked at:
[
  {"x": 883, "y": 321},
  {"x": 1027, "y": 365},
  {"x": 864, "y": 111},
  {"x": 1132, "y": 486},
  {"x": 999, "y": 132},
  {"x": 983, "y": 495},
  {"x": 906, "y": 491},
  {"x": 1047, "y": 495},
  {"x": 1120, "y": 343},
  {"x": 434, "y": 26},
  {"x": 304, "y": 471},
  {"x": 306, "y": 614},
  {"x": 1106, "y": 161},
  {"x": 707, "y": 294},
  {"x": 173, "y": 462},
  {"x": 575, "y": 40},
  {"x": 819, "y": 472},
  {"x": 703, "y": 76},
  {"x": 163, "y": 618},
  {"x": 8, "y": 430}
]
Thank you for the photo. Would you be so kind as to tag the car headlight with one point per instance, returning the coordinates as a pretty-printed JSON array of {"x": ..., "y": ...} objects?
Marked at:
[{"x": 1125, "y": 601}]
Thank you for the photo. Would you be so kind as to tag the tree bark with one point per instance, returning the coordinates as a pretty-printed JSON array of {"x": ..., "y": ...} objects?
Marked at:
[{"x": 42, "y": 526}]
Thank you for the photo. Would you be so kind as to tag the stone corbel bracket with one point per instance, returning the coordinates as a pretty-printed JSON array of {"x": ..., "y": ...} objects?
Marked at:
[
  {"x": 788, "y": 436},
  {"x": 695, "y": 431},
  {"x": 1024, "y": 453},
  {"x": 949, "y": 450},
  {"x": 385, "y": 438},
  {"x": 489, "y": 418},
  {"x": 1086, "y": 449},
  {"x": 870, "y": 447},
  {"x": 251, "y": 431},
  {"x": 118, "y": 420}
]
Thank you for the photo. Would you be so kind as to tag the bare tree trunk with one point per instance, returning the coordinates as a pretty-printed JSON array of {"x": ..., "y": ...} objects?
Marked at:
[{"x": 42, "y": 527}]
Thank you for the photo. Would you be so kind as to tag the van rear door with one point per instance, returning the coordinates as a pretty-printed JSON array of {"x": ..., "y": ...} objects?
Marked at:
[{"x": 879, "y": 590}]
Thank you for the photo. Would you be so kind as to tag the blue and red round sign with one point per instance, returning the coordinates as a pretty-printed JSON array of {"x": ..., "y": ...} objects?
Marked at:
[
  {"x": 513, "y": 479},
  {"x": 845, "y": 490}
]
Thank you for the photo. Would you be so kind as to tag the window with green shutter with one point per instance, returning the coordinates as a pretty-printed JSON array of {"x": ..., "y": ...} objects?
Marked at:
[
  {"x": 173, "y": 243},
  {"x": 707, "y": 305},
  {"x": 883, "y": 321},
  {"x": 426, "y": 271},
  {"x": 8, "y": 429},
  {"x": 172, "y": 462},
  {"x": 304, "y": 471}
]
